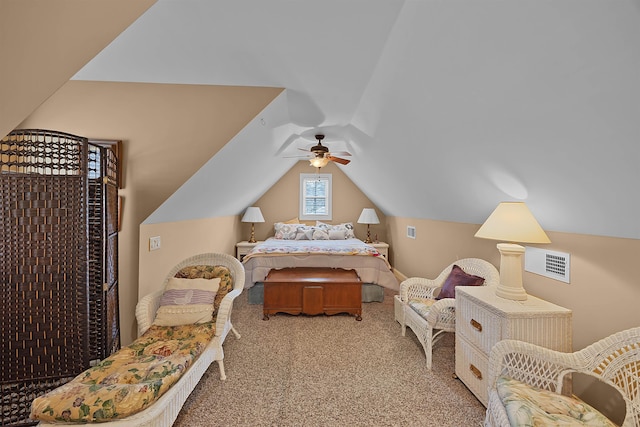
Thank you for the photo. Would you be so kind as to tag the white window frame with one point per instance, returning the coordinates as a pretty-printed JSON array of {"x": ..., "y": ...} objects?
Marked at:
[{"x": 304, "y": 177}]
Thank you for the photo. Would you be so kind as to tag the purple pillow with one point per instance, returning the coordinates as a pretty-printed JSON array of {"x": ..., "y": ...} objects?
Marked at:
[{"x": 458, "y": 277}]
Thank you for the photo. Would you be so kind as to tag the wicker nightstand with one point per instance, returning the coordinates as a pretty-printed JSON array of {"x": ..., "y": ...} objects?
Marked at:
[{"x": 483, "y": 319}]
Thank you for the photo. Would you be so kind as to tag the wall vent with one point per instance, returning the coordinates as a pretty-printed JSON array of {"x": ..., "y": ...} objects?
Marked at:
[
  {"x": 411, "y": 232},
  {"x": 552, "y": 264}
]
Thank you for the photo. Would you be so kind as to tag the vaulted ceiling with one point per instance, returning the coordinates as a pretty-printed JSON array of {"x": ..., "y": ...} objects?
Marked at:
[{"x": 448, "y": 107}]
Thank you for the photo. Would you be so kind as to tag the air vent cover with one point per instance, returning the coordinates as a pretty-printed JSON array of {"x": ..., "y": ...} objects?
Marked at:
[
  {"x": 552, "y": 264},
  {"x": 411, "y": 232}
]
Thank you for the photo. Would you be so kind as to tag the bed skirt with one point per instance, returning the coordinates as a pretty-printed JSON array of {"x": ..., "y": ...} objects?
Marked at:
[{"x": 370, "y": 293}]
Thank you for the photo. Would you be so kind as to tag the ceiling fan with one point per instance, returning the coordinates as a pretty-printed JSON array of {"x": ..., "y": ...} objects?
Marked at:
[{"x": 320, "y": 155}]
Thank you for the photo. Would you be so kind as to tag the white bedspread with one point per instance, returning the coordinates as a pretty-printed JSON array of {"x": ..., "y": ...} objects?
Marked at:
[{"x": 350, "y": 254}]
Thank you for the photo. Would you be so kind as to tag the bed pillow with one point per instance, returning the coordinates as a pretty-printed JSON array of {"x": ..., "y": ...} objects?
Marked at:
[
  {"x": 320, "y": 233},
  {"x": 346, "y": 226},
  {"x": 337, "y": 234},
  {"x": 304, "y": 233},
  {"x": 458, "y": 277},
  {"x": 187, "y": 301},
  {"x": 286, "y": 231}
]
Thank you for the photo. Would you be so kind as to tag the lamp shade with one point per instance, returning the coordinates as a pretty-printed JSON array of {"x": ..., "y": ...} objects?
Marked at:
[
  {"x": 512, "y": 222},
  {"x": 253, "y": 214},
  {"x": 368, "y": 216}
]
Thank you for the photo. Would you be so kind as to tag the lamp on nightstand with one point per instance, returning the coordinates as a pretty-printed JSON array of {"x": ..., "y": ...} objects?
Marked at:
[
  {"x": 253, "y": 215},
  {"x": 512, "y": 222},
  {"x": 368, "y": 216}
]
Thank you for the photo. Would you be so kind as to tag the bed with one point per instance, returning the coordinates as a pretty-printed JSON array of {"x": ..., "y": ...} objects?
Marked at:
[{"x": 347, "y": 253}]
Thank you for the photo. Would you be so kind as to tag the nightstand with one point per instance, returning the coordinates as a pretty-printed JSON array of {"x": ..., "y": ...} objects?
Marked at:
[
  {"x": 383, "y": 248},
  {"x": 243, "y": 248},
  {"x": 483, "y": 319}
]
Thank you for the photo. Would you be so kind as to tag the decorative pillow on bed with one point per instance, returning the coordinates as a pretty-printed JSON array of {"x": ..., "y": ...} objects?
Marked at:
[
  {"x": 337, "y": 234},
  {"x": 187, "y": 301},
  {"x": 320, "y": 234},
  {"x": 347, "y": 227},
  {"x": 304, "y": 232},
  {"x": 286, "y": 231},
  {"x": 458, "y": 277}
]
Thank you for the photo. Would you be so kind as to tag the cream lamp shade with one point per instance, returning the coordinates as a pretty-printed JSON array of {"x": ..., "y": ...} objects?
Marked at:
[
  {"x": 512, "y": 222},
  {"x": 368, "y": 216},
  {"x": 253, "y": 215}
]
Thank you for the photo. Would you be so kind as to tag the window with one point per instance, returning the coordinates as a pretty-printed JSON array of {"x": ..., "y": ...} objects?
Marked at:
[{"x": 315, "y": 196}]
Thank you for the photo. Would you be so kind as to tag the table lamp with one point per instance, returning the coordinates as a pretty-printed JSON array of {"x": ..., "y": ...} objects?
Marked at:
[
  {"x": 512, "y": 222},
  {"x": 253, "y": 215},
  {"x": 368, "y": 216}
]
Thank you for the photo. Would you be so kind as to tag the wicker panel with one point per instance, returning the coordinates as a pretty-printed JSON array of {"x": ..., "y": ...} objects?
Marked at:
[
  {"x": 96, "y": 268},
  {"x": 43, "y": 267},
  {"x": 17, "y": 398},
  {"x": 112, "y": 209},
  {"x": 112, "y": 324}
]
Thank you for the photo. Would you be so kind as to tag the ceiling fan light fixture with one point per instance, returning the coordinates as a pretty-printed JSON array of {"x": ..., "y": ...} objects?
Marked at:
[{"x": 319, "y": 162}]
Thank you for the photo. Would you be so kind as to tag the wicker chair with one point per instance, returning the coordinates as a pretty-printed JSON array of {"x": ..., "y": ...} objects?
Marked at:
[
  {"x": 614, "y": 360},
  {"x": 441, "y": 316}
]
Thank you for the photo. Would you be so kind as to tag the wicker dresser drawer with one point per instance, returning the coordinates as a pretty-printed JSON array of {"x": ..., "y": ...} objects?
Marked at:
[
  {"x": 472, "y": 367},
  {"x": 478, "y": 326},
  {"x": 483, "y": 319}
]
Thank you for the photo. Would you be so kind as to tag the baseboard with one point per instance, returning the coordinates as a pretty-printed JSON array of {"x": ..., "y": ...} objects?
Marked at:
[{"x": 400, "y": 276}]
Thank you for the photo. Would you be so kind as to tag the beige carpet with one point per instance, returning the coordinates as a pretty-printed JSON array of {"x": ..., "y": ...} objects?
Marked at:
[{"x": 329, "y": 371}]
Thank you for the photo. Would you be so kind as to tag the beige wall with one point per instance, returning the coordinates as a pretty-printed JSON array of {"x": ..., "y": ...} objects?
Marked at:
[
  {"x": 168, "y": 133},
  {"x": 180, "y": 240},
  {"x": 281, "y": 203},
  {"x": 604, "y": 291},
  {"x": 41, "y": 50}
]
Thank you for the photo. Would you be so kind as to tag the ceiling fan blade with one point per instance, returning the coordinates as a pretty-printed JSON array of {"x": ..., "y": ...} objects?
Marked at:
[
  {"x": 341, "y": 153},
  {"x": 339, "y": 160}
]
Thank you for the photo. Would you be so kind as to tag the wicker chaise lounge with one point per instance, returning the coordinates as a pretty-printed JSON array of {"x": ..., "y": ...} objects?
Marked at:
[{"x": 165, "y": 409}]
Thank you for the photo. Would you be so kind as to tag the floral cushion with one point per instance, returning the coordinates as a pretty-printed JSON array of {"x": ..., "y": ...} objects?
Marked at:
[
  {"x": 421, "y": 305},
  {"x": 530, "y": 406},
  {"x": 129, "y": 380}
]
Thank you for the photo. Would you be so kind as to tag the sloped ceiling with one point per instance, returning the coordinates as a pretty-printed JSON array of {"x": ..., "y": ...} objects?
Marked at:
[
  {"x": 43, "y": 43},
  {"x": 448, "y": 107}
]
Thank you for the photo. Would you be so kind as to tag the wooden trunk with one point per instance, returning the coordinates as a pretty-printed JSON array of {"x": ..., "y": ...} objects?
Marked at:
[{"x": 311, "y": 290}]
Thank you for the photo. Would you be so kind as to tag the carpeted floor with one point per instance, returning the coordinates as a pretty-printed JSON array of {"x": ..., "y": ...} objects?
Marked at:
[{"x": 329, "y": 371}]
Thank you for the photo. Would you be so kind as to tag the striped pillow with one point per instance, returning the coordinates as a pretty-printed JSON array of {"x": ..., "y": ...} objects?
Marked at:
[{"x": 187, "y": 301}]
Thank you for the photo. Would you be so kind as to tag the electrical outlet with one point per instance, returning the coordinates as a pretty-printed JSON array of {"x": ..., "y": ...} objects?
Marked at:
[{"x": 154, "y": 243}]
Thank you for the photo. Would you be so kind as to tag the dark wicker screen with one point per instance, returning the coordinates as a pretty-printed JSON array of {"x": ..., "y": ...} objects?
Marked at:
[
  {"x": 96, "y": 251},
  {"x": 43, "y": 266}
]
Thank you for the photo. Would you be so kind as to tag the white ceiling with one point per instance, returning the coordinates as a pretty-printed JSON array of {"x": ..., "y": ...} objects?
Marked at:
[{"x": 448, "y": 107}]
